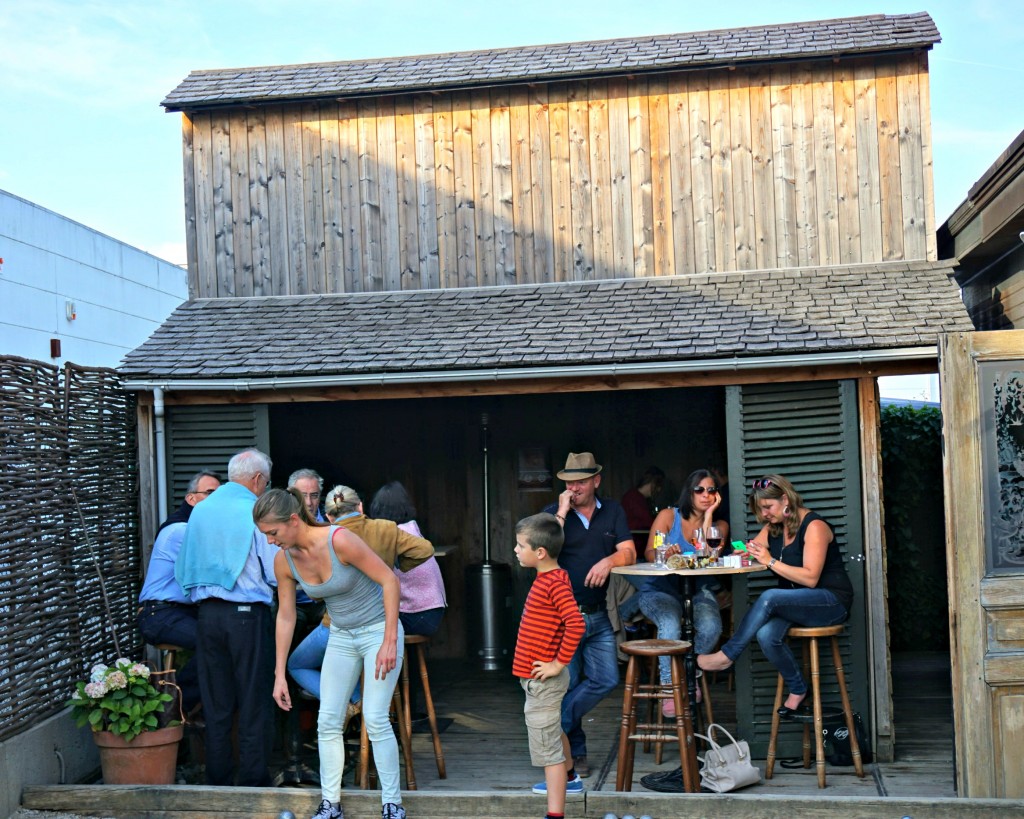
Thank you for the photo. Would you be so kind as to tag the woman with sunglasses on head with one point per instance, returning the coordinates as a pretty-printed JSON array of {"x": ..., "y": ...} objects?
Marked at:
[
  {"x": 814, "y": 589},
  {"x": 660, "y": 599}
]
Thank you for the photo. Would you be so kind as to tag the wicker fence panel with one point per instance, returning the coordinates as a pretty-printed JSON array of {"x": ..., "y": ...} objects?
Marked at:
[{"x": 66, "y": 434}]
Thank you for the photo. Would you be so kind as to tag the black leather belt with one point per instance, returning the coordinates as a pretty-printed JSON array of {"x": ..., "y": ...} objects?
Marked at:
[
  {"x": 163, "y": 604},
  {"x": 234, "y": 603},
  {"x": 592, "y": 608}
]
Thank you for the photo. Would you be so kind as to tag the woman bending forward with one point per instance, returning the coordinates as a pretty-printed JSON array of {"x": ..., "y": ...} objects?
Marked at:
[{"x": 361, "y": 593}]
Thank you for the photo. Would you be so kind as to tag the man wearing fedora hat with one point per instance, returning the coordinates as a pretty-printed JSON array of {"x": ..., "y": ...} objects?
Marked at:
[{"x": 597, "y": 537}]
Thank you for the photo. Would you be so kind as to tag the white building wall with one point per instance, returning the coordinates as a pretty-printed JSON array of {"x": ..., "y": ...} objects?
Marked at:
[{"x": 120, "y": 294}]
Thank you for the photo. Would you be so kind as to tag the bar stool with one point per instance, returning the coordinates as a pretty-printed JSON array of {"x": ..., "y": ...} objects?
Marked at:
[
  {"x": 810, "y": 647},
  {"x": 659, "y": 717},
  {"x": 168, "y": 654},
  {"x": 418, "y": 643},
  {"x": 404, "y": 740},
  {"x": 194, "y": 732},
  {"x": 630, "y": 732},
  {"x": 654, "y": 673}
]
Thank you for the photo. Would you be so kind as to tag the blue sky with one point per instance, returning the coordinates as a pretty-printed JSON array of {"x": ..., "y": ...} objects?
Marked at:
[{"x": 81, "y": 80}]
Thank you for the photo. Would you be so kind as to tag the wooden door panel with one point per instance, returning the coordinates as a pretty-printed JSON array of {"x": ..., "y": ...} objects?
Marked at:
[
  {"x": 983, "y": 408},
  {"x": 1009, "y": 740}
]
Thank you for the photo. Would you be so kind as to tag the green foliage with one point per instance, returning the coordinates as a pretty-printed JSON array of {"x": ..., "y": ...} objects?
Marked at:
[
  {"x": 119, "y": 699},
  {"x": 914, "y": 528}
]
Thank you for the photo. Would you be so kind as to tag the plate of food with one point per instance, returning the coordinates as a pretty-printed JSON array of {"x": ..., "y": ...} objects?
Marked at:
[{"x": 690, "y": 561}]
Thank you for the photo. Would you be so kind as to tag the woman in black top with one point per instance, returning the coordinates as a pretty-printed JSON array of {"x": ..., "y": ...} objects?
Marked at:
[{"x": 814, "y": 590}]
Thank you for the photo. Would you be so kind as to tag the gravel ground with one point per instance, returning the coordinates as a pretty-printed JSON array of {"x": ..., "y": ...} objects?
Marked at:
[{"x": 46, "y": 814}]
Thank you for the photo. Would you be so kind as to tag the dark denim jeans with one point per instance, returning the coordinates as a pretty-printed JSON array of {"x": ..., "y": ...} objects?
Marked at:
[
  {"x": 770, "y": 618},
  {"x": 593, "y": 674},
  {"x": 176, "y": 625},
  {"x": 666, "y": 612}
]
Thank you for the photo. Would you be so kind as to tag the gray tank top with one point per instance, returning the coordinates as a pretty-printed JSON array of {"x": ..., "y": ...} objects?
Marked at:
[{"x": 352, "y": 598}]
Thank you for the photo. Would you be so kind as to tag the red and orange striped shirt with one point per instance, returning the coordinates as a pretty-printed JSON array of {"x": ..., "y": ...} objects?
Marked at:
[{"x": 552, "y": 625}]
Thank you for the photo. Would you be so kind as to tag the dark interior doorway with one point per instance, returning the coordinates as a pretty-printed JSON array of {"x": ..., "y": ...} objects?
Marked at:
[{"x": 433, "y": 446}]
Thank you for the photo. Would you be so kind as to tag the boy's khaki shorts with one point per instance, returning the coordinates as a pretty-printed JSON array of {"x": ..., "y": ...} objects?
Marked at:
[{"x": 543, "y": 711}]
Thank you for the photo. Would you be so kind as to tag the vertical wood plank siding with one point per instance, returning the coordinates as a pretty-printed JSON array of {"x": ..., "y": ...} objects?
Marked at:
[{"x": 781, "y": 166}]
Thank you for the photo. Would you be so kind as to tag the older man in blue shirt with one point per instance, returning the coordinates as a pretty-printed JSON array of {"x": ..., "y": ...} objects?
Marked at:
[
  {"x": 166, "y": 613},
  {"x": 227, "y": 567}
]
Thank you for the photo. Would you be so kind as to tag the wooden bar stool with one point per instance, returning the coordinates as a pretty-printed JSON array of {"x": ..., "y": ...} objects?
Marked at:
[
  {"x": 810, "y": 651},
  {"x": 654, "y": 673},
  {"x": 418, "y": 643},
  {"x": 630, "y": 732},
  {"x": 659, "y": 717},
  {"x": 404, "y": 740},
  {"x": 168, "y": 654}
]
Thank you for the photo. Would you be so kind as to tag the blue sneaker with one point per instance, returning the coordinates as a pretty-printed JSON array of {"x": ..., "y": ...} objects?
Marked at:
[{"x": 576, "y": 786}]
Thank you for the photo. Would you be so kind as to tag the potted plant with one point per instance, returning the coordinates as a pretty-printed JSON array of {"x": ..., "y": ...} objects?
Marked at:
[{"x": 125, "y": 709}]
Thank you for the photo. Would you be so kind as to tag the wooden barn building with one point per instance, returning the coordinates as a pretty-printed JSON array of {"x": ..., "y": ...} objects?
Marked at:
[{"x": 683, "y": 250}]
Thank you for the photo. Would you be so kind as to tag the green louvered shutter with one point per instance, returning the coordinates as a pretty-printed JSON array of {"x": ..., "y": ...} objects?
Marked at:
[
  {"x": 808, "y": 432},
  {"x": 205, "y": 437}
]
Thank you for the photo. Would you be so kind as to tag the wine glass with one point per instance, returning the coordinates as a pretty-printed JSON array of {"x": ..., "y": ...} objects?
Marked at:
[{"x": 713, "y": 536}]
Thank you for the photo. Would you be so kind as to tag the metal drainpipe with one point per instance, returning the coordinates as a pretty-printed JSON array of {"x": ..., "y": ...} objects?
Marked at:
[{"x": 161, "y": 453}]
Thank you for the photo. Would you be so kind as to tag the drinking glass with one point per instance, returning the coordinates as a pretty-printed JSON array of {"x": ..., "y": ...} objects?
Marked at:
[{"x": 714, "y": 539}]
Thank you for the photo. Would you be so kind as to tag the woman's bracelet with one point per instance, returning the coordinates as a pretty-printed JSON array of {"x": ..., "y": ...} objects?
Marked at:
[{"x": 772, "y": 562}]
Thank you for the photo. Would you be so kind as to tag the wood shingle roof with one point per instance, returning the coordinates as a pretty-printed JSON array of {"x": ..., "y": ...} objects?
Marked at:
[
  {"x": 548, "y": 63},
  {"x": 620, "y": 321}
]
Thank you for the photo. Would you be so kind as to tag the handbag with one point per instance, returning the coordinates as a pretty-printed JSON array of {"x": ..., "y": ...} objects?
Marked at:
[
  {"x": 726, "y": 767},
  {"x": 837, "y": 742}
]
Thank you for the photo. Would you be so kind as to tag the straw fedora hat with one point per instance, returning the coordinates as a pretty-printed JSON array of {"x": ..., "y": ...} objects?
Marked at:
[{"x": 579, "y": 466}]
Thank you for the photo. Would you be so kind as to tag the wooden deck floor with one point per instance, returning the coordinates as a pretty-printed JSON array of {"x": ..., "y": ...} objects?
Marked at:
[
  {"x": 486, "y": 747},
  {"x": 489, "y": 771}
]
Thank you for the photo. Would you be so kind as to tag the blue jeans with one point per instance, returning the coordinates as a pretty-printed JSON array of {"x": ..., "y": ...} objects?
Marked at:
[
  {"x": 305, "y": 662},
  {"x": 666, "y": 612},
  {"x": 593, "y": 673},
  {"x": 422, "y": 622},
  {"x": 351, "y": 652},
  {"x": 770, "y": 618},
  {"x": 177, "y": 625}
]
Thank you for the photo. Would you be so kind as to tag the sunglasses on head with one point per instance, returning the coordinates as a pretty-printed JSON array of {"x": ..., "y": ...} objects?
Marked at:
[
  {"x": 763, "y": 483},
  {"x": 700, "y": 490}
]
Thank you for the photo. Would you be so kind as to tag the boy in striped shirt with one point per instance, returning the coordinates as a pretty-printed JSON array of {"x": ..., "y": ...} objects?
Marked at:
[{"x": 549, "y": 632}]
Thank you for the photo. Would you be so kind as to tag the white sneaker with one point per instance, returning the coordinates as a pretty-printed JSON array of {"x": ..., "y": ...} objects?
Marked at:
[{"x": 328, "y": 811}]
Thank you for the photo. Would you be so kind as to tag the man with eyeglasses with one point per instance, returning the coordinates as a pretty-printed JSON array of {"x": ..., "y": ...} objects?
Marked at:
[
  {"x": 227, "y": 567},
  {"x": 308, "y": 612},
  {"x": 311, "y": 485},
  {"x": 166, "y": 613}
]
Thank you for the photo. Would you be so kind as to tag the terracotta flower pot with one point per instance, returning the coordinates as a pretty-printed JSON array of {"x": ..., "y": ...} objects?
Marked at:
[{"x": 149, "y": 759}]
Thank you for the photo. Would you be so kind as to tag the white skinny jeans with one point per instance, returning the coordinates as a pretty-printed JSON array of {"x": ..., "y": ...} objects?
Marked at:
[{"x": 351, "y": 652}]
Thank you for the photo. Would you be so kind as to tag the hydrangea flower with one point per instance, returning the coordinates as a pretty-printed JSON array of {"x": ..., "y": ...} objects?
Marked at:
[
  {"x": 116, "y": 680},
  {"x": 120, "y": 699}
]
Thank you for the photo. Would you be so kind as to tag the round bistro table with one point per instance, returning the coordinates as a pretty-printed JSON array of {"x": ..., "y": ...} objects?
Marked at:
[{"x": 688, "y": 575}]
